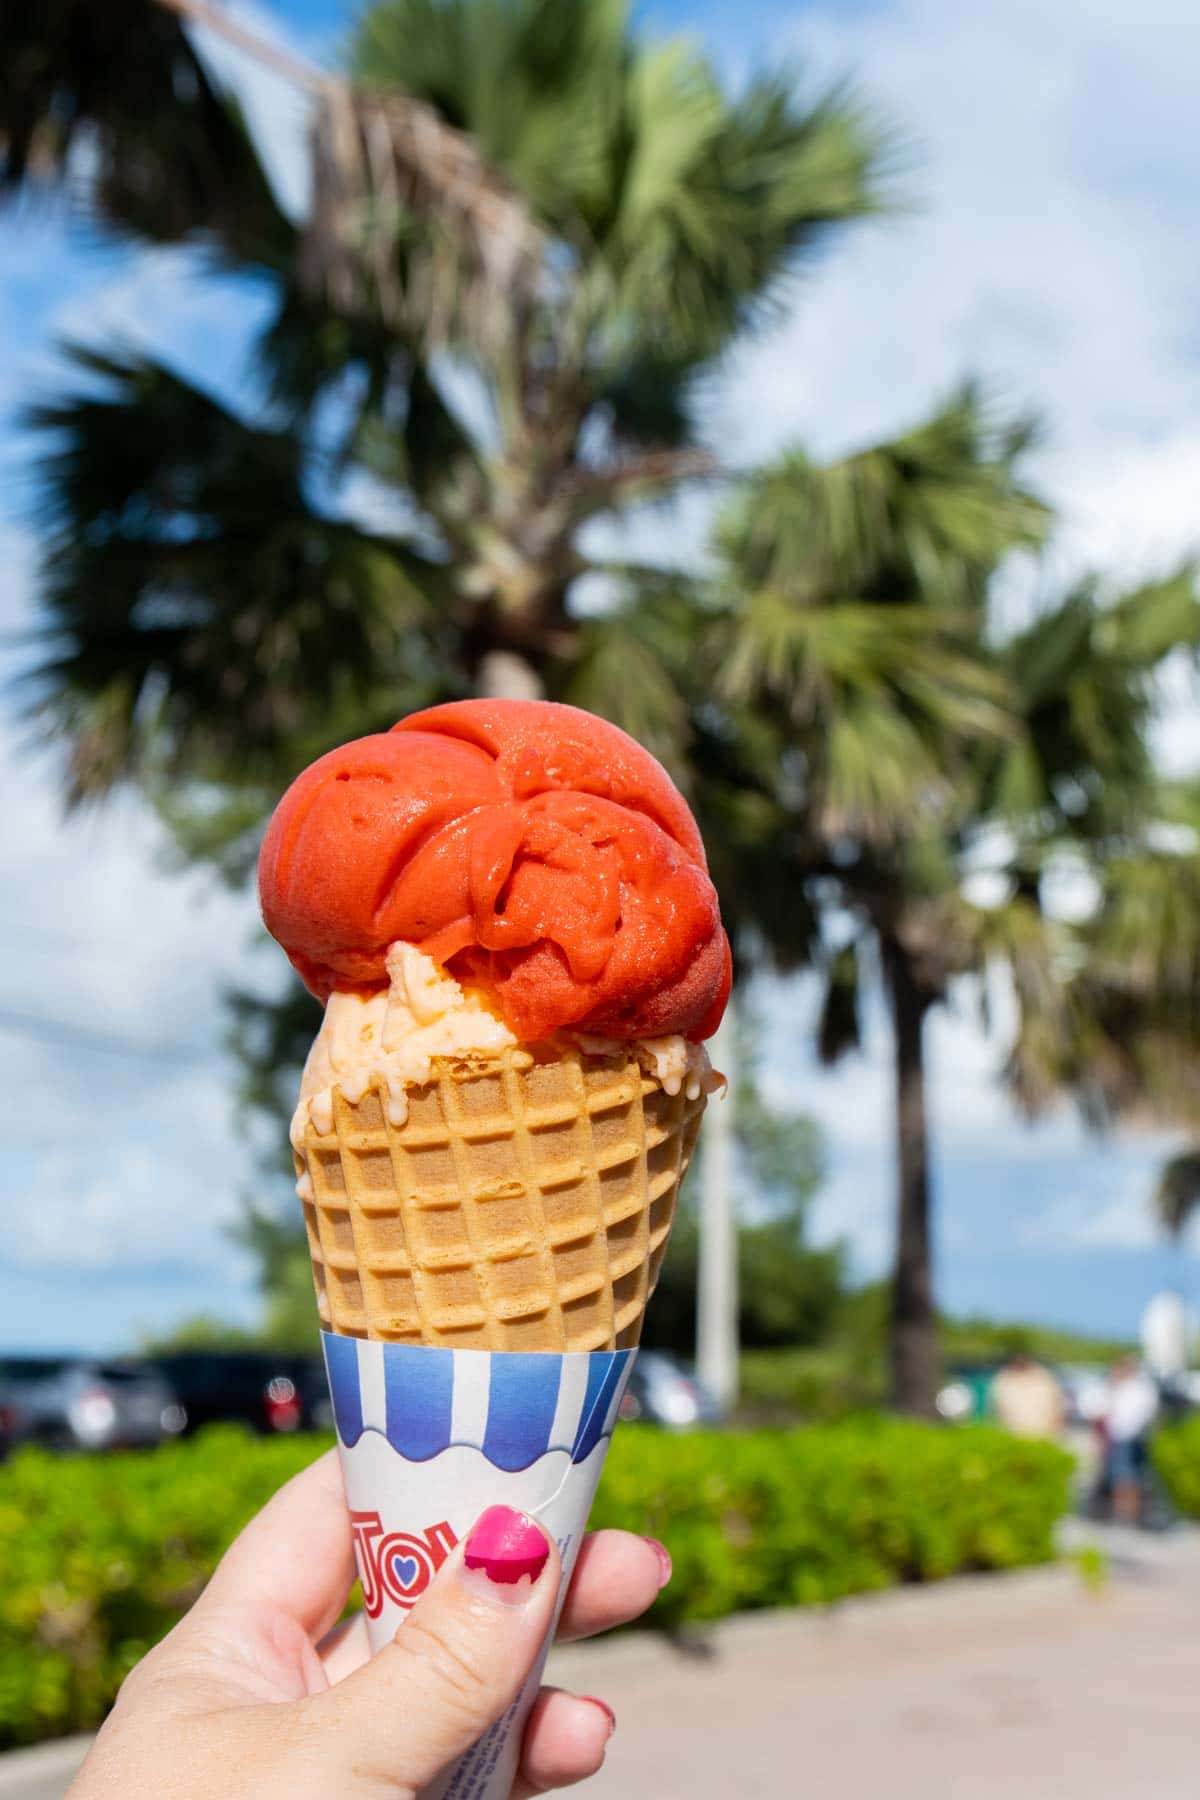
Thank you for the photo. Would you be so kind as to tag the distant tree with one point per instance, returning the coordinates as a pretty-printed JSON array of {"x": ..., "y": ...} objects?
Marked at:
[
  {"x": 854, "y": 636},
  {"x": 981, "y": 1340},
  {"x": 890, "y": 739},
  {"x": 199, "y": 1332}
]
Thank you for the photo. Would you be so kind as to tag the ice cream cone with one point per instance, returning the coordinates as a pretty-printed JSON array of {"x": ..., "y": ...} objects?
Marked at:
[
  {"x": 524, "y": 1204},
  {"x": 485, "y": 898}
]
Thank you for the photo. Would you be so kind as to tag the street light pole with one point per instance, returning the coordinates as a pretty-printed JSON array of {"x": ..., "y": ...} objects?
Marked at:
[{"x": 717, "y": 1293}]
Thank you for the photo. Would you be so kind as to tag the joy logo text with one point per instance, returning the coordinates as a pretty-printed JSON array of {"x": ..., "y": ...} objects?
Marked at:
[{"x": 397, "y": 1565}]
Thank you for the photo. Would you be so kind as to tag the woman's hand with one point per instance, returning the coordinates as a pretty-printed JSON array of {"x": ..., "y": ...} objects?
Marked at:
[{"x": 254, "y": 1695}]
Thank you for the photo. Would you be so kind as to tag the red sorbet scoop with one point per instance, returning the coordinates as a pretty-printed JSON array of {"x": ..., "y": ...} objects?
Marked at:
[{"x": 532, "y": 849}]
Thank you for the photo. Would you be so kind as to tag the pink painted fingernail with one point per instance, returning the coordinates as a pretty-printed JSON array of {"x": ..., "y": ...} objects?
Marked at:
[
  {"x": 664, "y": 1560},
  {"x": 605, "y": 1708},
  {"x": 507, "y": 1546}
]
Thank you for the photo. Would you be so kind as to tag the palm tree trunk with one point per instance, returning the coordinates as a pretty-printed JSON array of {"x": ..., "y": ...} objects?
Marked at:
[{"x": 914, "y": 1349}]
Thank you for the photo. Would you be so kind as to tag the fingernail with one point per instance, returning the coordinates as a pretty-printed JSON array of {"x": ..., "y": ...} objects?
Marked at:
[
  {"x": 506, "y": 1546},
  {"x": 605, "y": 1708},
  {"x": 664, "y": 1561}
]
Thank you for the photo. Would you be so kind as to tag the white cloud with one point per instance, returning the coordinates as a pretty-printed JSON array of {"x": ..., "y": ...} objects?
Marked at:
[
  {"x": 142, "y": 1212},
  {"x": 121, "y": 1149},
  {"x": 1096, "y": 1219},
  {"x": 1039, "y": 257},
  {"x": 1131, "y": 504},
  {"x": 856, "y": 1204}
]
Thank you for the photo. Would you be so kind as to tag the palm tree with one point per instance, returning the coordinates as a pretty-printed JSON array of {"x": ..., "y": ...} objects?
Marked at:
[
  {"x": 214, "y": 611},
  {"x": 889, "y": 738},
  {"x": 855, "y": 628}
]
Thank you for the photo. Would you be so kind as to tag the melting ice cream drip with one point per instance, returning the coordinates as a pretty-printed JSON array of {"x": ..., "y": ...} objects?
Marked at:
[{"x": 393, "y": 1035}]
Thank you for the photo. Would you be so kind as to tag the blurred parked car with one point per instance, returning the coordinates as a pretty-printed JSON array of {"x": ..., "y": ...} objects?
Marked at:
[
  {"x": 663, "y": 1392},
  {"x": 312, "y": 1385},
  {"x": 270, "y": 1391},
  {"x": 76, "y": 1403}
]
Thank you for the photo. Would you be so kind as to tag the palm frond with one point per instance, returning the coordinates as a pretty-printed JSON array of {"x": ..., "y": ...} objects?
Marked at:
[
  {"x": 1084, "y": 676},
  {"x": 715, "y": 199},
  {"x": 1083, "y": 714},
  {"x": 631, "y": 481},
  {"x": 531, "y": 81},
  {"x": 1177, "y": 1192},
  {"x": 439, "y": 462},
  {"x": 409, "y": 224},
  {"x": 215, "y": 825},
  {"x": 928, "y": 516},
  {"x": 879, "y": 780},
  {"x": 307, "y": 352},
  {"x": 199, "y": 611},
  {"x": 1146, "y": 935},
  {"x": 839, "y": 1027},
  {"x": 621, "y": 667},
  {"x": 674, "y": 208},
  {"x": 1147, "y": 624},
  {"x": 645, "y": 398},
  {"x": 1110, "y": 1009},
  {"x": 884, "y": 700},
  {"x": 855, "y": 615},
  {"x": 754, "y": 841},
  {"x": 910, "y": 654},
  {"x": 111, "y": 105}
]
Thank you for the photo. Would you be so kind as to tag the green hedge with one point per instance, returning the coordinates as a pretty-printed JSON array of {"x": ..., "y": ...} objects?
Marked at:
[
  {"x": 804, "y": 1517},
  {"x": 99, "y": 1556},
  {"x": 780, "y": 1387},
  {"x": 1176, "y": 1455}
]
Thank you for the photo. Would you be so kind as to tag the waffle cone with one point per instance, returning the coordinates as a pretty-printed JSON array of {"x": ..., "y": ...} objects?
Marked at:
[{"x": 524, "y": 1204}]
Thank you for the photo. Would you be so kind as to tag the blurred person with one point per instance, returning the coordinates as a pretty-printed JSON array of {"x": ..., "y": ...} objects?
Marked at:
[
  {"x": 1130, "y": 1411},
  {"x": 255, "y": 1695},
  {"x": 1028, "y": 1400}
]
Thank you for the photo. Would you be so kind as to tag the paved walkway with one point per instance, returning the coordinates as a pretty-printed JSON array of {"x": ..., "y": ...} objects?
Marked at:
[
  {"x": 1023, "y": 1687},
  {"x": 41, "y": 1774}
]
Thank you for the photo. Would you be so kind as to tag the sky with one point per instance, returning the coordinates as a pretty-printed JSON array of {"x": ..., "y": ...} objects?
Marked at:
[{"x": 1050, "y": 246}]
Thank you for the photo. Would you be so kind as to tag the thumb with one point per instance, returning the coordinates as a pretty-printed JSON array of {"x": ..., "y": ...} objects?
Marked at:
[{"x": 457, "y": 1662}]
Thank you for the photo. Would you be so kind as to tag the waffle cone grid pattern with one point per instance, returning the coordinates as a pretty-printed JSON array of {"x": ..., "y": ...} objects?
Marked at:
[{"x": 524, "y": 1204}]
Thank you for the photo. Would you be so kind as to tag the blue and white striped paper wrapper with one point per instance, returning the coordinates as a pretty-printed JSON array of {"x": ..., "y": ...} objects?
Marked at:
[{"x": 428, "y": 1439}]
